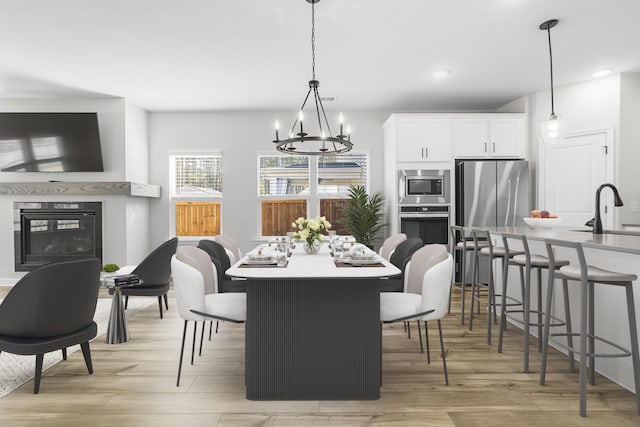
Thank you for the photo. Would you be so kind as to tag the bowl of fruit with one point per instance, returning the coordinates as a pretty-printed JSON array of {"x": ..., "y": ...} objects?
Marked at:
[{"x": 542, "y": 219}]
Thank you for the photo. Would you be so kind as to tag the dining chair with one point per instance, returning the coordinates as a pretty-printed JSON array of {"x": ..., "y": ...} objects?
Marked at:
[
  {"x": 231, "y": 246},
  {"x": 400, "y": 257},
  {"x": 426, "y": 296},
  {"x": 155, "y": 273},
  {"x": 193, "y": 276},
  {"x": 390, "y": 244},
  {"x": 220, "y": 257},
  {"x": 50, "y": 309}
]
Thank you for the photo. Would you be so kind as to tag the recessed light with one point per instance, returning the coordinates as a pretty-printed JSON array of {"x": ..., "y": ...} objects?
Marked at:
[
  {"x": 601, "y": 73},
  {"x": 440, "y": 74}
]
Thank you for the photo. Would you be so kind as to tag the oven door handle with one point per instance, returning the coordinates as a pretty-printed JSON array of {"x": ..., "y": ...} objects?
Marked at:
[{"x": 424, "y": 215}]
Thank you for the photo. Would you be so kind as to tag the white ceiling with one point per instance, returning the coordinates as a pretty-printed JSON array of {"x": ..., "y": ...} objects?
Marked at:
[{"x": 239, "y": 55}]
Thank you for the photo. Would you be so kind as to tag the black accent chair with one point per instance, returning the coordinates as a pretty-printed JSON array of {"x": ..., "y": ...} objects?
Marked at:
[
  {"x": 49, "y": 309},
  {"x": 400, "y": 257},
  {"x": 221, "y": 260},
  {"x": 155, "y": 273}
]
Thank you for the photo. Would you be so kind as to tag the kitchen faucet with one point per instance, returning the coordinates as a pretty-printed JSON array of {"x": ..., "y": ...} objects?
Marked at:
[{"x": 597, "y": 223}]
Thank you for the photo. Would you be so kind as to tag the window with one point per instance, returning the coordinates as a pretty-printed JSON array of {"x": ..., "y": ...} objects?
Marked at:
[
  {"x": 281, "y": 184},
  {"x": 294, "y": 186},
  {"x": 335, "y": 174},
  {"x": 196, "y": 194}
]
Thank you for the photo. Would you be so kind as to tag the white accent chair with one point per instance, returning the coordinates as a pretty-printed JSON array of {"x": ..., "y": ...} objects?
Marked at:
[
  {"x": 426, "y": 296},
  {"x": 231, "y": 246},
  {"x": 196, "y": 288},
  {"x": 390, "y": 244}
]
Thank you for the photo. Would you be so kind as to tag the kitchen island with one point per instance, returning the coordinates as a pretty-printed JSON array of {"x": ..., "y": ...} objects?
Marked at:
[
  {"x": 313, "y": 328},
  {"x": 614, "y": 250}
]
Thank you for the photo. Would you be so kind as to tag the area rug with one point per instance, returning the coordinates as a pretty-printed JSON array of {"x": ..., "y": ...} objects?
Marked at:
[{"x": 16, "y": 370}]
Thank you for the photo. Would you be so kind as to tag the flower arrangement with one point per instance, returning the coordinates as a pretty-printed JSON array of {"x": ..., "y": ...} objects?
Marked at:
[{"x": 310, "y": 229}]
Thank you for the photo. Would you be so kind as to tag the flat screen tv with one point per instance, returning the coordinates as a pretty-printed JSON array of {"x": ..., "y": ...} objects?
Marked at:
[{"x": 50, "y": 142}]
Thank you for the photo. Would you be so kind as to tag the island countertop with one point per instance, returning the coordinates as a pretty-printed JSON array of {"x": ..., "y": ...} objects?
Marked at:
[{"x": 611, "y": 240}]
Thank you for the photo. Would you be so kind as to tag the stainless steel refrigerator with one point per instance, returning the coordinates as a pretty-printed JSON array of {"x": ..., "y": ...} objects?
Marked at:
[{"x": 490, "y": 193}]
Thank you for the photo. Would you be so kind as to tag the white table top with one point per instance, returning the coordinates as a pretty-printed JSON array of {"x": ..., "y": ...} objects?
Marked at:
[{"x": 320, "y": 265}]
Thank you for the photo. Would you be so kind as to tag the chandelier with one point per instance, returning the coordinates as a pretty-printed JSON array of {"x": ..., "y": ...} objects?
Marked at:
[
  {"x": 551, "y": 125},
  {"x": 298, "y": 141}
]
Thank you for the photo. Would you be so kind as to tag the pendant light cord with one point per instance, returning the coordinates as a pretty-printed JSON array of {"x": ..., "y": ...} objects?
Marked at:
[{"x": 551, "y": 69}]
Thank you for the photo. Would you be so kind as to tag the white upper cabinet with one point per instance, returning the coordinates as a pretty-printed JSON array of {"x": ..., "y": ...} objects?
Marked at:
[
  {"x": 493, "y": 136},
  {"x": 424, "y": 139}
]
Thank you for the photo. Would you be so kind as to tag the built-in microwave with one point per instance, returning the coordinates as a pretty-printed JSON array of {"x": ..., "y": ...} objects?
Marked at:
[{"x": 423, "y": 186}]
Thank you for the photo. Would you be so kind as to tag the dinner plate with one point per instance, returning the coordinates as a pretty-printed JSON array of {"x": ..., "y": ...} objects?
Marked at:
[
  {"x": 361, "y": 261},
  {"x": 268, "y": 260}
]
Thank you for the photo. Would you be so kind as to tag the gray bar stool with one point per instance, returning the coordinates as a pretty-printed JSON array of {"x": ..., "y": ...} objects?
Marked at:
[
  {"x": 484, "y": 247},
  {"x": 526, "y": 262},
  {"x": 588, "y": 275},
  {"x": 461, "y": 243}
]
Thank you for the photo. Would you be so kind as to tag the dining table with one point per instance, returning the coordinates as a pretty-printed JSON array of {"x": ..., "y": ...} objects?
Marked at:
[{"x": 313, "y": 327}]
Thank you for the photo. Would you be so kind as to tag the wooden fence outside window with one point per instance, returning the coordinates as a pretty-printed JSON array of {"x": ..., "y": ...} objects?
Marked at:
[
  {"x": 277, "y": 215},
  {"x": 197, "y": 218}
]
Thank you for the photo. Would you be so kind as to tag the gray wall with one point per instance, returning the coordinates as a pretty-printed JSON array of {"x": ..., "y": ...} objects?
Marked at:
[{"x": 240, "y": 137}]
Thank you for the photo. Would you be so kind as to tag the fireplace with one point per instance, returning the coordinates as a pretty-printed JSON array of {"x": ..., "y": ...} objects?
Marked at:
[{"x": 46, "y": 232}]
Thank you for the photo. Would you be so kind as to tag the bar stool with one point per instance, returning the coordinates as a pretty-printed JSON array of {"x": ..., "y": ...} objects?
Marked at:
[
  {"x": 588, "y": 275},
  {"x": 460, "y": 243},
  {"x": 483, "y": 237},
  {"x": 526, "y": 262}
]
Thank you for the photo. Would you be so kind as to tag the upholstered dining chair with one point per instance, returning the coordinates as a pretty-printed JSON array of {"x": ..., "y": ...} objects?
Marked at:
[
  {"x": 219, "y": 256},
  {"x": 390, "y": 244},
  {"x": 231, "y": 246},
  {"x": 195, "y": 283},
  {"x": 400, "y": 257},
  {"x": 426, "y": 296},
  {"x": 50, "y": 309},
  {"x": 155, "y": 273}
]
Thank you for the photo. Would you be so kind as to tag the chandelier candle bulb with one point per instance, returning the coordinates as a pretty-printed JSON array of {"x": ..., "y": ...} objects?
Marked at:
[{"x": 277, "y": 126}]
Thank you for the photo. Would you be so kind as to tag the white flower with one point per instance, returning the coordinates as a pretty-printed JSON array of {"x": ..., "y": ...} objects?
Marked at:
[
  {"x": 313, "y": 224},
  {"x": 304, "y": 233}
]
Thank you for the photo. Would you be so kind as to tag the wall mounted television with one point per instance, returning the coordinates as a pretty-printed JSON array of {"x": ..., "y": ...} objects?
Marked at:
[{"x": 50, "y": 142}]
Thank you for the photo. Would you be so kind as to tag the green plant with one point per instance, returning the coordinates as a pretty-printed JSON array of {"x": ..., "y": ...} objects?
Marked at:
[
  {"x": 364, "y": 214},
  {"x": 110, "y": 268}
]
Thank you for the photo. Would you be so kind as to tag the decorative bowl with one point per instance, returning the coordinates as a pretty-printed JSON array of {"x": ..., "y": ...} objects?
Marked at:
[{"x": 542, "y": 222}]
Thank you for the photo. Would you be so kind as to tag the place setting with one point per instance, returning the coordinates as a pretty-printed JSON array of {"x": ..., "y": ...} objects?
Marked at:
[
  {"x": 348, "y": 254},
  {"x": 272, "y": 255}
]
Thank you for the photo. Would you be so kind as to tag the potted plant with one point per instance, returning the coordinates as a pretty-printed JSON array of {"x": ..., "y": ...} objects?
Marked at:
[{"x": 363, "y": 215}]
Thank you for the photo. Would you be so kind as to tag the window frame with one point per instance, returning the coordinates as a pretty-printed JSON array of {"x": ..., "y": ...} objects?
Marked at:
[
  {"x": 313, "y": 198},
  {"x": 173, "y": 199}
]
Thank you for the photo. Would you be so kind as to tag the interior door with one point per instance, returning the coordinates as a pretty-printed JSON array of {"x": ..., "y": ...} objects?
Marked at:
[{"x": 574, "y": 168}]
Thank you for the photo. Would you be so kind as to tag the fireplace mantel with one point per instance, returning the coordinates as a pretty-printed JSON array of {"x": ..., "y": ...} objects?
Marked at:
[{"x": 69, "y": 188}]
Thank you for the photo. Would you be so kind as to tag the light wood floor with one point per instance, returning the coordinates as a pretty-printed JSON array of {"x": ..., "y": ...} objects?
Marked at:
[{"x": 134, "y": 385}]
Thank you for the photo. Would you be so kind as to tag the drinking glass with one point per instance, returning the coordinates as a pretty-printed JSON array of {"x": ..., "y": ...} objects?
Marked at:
[
  {"x": 282, "y": 249},
  {"x": 338, "y": 249}
]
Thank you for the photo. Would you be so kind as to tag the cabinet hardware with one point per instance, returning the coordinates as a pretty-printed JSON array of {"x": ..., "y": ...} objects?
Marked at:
[
  {"x": 493, "y": 145},
  {"x": 606, "y": 149},
  {"x": 485, "y": 147},
  {"x": 426, "y": 152}
]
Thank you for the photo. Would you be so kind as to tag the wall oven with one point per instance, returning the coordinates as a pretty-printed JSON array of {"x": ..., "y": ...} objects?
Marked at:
[
  {"x": 423, "y": 186},
  {"x": 429, "y": 222}
]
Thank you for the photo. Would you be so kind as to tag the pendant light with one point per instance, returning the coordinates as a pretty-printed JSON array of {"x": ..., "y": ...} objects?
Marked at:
[
  {"x": 551, "y": 125},
  {"x": 298, "y": 141}
]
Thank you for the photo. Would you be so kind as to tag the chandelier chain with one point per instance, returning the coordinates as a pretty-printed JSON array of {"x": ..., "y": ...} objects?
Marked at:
[{"x": 313, "y": 40}]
